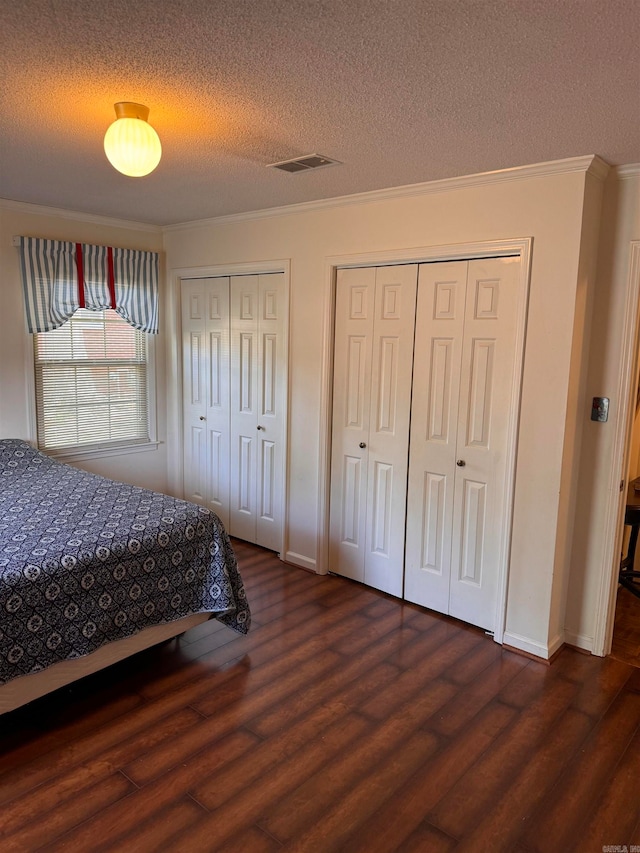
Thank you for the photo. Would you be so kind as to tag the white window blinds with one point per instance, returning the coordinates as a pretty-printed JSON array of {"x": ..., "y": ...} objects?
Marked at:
[{"x": 91, "y": 383}]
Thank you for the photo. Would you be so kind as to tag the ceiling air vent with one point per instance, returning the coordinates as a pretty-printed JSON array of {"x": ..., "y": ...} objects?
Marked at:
[{"x": 304, "y": 164}]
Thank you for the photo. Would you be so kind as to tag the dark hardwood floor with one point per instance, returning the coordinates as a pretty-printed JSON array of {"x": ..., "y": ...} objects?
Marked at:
[
  {"x": 346, "y": 720},
  {"x": 626, "y": 629}
]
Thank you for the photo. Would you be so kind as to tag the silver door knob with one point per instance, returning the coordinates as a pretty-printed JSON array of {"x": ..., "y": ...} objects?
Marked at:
[
  {"x": 259, "y": 427},
  {"x": 362, "y": 445},
  {"x": 461, "y": 463},
  {"x": 202, "y": 418}
]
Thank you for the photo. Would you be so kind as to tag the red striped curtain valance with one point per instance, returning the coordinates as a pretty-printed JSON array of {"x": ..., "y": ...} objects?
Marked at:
[{"x": 58, "y": 277}]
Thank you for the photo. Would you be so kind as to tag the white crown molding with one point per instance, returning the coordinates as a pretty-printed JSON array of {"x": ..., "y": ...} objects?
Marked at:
[
  {"x": 62, "y": 213},
  {"x": 599, "y": 168},
  {"x": 590, "y": 163},
  {"x": 631, "y": 170}
]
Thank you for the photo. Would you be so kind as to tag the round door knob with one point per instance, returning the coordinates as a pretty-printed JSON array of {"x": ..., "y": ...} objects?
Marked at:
[
  {"x": 461, "y": 463},
  {"x": 202, "y": 418},
  {"x": 362, "y": 445},
  {"x": 259, "y": 427}
]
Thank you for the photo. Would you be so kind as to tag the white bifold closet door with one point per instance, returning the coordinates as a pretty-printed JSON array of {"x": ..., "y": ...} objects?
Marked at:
[
  {"x": 205, "y": 388},
  {"x": 234, "y": 389},
  {"x": 423, "y": 396},
  {"x": 375, "y": 312},
  {"x": 461, "y": 405}
]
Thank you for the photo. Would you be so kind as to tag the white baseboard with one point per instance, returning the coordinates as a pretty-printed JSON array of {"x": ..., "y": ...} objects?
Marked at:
[
  {"x": 556, "y": 644},
  {"x": 580, "y": 641},
  {"x": 524, "y": 644},
  {"x": 300, "y": 560}
]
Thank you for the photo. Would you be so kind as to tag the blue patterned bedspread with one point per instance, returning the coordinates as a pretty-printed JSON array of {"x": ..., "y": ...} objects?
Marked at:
[{"x": 85, "y": 560}]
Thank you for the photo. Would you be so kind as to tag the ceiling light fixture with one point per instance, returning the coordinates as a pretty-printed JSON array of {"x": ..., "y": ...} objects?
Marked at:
[{"x": 132, "y": 146}]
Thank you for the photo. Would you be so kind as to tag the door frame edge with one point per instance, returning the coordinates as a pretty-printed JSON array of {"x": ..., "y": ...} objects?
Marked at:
[{"x": 606, "y": 595}]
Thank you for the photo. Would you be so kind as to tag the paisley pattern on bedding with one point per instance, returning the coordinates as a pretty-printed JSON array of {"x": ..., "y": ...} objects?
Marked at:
[{"x": 85, "y": 560}]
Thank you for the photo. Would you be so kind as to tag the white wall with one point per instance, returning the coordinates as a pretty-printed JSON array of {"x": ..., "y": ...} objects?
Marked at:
[
  {"x": 550, "y": 209},
  {"x": 16, "y": 359},
  {"x": 591, "y": 560},
  {"x": 564, "y": 461}
]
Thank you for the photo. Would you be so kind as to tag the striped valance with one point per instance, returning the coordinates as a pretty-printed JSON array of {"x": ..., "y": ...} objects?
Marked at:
[{"x": 59, "y": 277}]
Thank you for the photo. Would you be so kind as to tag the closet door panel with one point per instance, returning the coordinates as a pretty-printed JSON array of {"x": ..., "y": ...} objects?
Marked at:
[
  {"x": 272, "y": 312},
  {"x": 217, "y": 398},
  {"x": 390, "y": 408},
  {"x": 434, "y": 422},
  {"x": 355, "y": 300},
  {"x": 194, "y": 363},
  {"x": 244, "y": 406},
  {"x": 205, "y": 340},
  {"x": 485, "y": 405}
]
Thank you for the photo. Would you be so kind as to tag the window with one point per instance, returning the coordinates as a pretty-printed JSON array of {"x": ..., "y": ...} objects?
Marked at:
[{"x": 91, "y": 383}]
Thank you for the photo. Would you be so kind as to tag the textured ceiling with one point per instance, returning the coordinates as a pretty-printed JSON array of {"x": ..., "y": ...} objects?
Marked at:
[{"x": 400, "y": 91}]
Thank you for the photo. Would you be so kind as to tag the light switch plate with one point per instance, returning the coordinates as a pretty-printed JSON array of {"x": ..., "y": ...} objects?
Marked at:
[{"x": 600, "y": 409}]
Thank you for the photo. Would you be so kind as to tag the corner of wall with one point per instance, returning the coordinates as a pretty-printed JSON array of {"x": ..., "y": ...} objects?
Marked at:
[
  {"x": 601, "y": 463},
  {"x": 577, "y": 411}
]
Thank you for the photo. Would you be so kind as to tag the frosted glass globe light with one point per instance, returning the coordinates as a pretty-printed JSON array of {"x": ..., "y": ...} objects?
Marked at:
[{"x": 132, "y": 146}]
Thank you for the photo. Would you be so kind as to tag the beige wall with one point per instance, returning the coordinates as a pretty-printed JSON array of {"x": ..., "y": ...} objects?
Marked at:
[
  {"x": 16, "y": 361},
  {"x": 591, "y": 557},
  {"x": 548, "y": 208},
  {"x": 564, "y": 461}
]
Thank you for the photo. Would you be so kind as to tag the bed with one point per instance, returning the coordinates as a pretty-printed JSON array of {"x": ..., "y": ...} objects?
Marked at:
[{"x": 92, "y": 570}]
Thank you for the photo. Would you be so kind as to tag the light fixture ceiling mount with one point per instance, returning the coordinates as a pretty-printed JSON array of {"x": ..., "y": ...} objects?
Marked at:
[{"x": 132, "y": 146}]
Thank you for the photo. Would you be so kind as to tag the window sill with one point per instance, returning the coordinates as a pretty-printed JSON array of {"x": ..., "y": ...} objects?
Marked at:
[{"x": 76, "y": 455}]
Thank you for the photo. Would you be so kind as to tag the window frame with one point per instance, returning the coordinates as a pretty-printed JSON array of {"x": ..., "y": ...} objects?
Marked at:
[{"x": 79, "y": 452}]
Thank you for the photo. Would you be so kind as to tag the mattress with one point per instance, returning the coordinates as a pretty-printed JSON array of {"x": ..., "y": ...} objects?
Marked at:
[{"x": 85, "y": 561}]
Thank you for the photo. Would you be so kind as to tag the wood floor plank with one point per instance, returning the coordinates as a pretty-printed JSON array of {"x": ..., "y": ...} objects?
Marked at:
[
  {"x": 376, "y": 627},
  {"x": 405, "y": 809},
  {"x": 44, "y": 798},
  {"x": 343, "y": 822},
  {"x": 558, "y": 820},
  {"x": 232, "y": 779},
  {"x": 249, "y": 805},
  {"x": 477, "y": 660},
  {"x": 95, "y": 800},
  {"x": 125, "y": 816},
  {"x": 626, "y": 631},
  {"x": 59, "y": 728},
  {"x": 345, "y": 720},
  {"x": 284, "y": 714},
  {"x": 253, "y": 840},
  {"x": 288, "y": 656},
  {"x": 153, "y": 834},
  {"x": 616, "y": 812},
  {"x": 194, "y": 670},
  {"x": 464, "y": 640},
  {"x": 450, "y": 647},
  {"x": 533, "y": 682},
  {"x": 88, "y": 746},
  {"x": 473, "y": 795},
  {"x": 323, "y": 594},
  {"x": 427, "y": 839},
  {"x": 504, "y": 817},
  {"x": 236, "y": 707},
  {"x": 281, "y": 593},
  {"x": 359, "y": 767},
  {"x": 597, "y": 692},
  {"x": 488, "y": 683}
]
